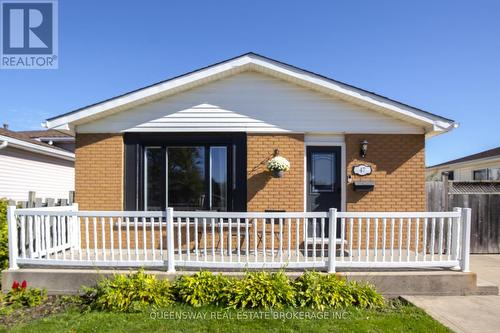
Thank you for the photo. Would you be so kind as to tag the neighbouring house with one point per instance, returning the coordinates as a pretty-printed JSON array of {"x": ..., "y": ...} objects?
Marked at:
[
  {"x": 201, "y": 141},
  {"x": 247, "y": 164},
  {"x": 483, "y": 166},
  {"x": 40, "y": 161}
]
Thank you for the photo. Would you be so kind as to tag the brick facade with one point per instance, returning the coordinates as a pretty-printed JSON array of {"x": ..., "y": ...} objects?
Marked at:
[
  {"x": 265, "y": 192},
  {"x": 397, "y": 161},
  {"x": 99, "y": 171},
  {"x": 398, "y": 164}
]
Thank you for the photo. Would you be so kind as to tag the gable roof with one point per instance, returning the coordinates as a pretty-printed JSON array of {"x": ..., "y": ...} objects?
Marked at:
[
  {"x": 23, "y": 141},
  {"x": 487, "y": 154},
  {"x": 433, "y": 124}
]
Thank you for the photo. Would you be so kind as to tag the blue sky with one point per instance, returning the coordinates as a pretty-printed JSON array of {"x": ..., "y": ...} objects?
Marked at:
[{"x": 441, "y": 56}]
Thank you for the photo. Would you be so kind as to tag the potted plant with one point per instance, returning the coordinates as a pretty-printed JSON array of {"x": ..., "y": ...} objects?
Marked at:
[{"x": 277, "y": 166}]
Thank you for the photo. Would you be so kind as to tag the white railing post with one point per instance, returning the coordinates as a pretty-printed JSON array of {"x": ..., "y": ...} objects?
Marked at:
[
  {"x": 12, "y": 234},
  {"x": 332, "y": 239},
  {"x": 75, "y": 237},
  {"x": 170, "y": 240},
  {"x": 466, "y": 226},
  {"x": 455, "y": 236}
]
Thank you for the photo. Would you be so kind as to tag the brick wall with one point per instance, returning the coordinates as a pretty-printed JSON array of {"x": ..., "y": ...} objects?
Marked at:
[
  {"x": 265, "y": 192},
  {"x": 398, "y": 164},
  {"x": 99, "y": 171}
]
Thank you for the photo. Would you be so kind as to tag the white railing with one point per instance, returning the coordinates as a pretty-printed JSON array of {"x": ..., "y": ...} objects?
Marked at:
[{"x": 239, "y": 240}]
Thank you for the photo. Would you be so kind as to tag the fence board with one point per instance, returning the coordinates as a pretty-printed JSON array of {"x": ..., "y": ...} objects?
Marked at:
[{"x": 485, "y": 224}]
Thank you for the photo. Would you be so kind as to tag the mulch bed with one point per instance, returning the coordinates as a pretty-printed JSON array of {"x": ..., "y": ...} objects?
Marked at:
[{"x": 53, "y": 305}]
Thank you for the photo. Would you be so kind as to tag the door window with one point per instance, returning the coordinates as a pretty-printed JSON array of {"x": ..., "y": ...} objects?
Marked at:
[{"x": 323, "y": 172}]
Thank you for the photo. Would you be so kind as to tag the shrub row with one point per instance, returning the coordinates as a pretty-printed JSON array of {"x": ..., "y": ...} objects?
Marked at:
[{"x": 266, "y": 290}]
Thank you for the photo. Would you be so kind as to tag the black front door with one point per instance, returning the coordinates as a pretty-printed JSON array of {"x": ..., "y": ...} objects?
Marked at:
[
  {"x": 323, "y": 184},
  {"x": 323, "y": 178}
]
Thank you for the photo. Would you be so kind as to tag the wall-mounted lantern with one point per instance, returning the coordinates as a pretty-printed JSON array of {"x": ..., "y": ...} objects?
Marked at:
[{"x": 363, "y": 148}]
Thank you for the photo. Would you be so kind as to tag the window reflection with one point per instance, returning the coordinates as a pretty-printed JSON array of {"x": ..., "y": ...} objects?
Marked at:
[
  {"x": 186, "y": 178},
  {"x": 218, "y": 175},
  {"x": 153, "y": 178},
  {"x": 323, "y": 177}
]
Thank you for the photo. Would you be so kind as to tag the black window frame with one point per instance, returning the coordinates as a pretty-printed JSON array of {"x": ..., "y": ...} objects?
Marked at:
[
  {"x": 135, "y": 144},
  {"x": 477, "y": 171}
]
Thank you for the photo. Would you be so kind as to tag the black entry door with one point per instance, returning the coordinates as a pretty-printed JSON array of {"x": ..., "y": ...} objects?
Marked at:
[
  {"x": 323, "y": 184},
  {"x": 323, "y": 178}
]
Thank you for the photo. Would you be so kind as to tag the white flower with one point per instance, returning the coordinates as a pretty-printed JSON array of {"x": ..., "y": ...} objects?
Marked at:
[{"x": 278, "y": 163}]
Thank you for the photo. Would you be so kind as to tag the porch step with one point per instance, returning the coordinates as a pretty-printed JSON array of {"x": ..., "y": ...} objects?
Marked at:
[{"x": 485, "y": 288}]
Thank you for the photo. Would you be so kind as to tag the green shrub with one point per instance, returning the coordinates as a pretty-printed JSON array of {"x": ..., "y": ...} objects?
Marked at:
[
  {"x": 261, "y": 290},
  {"x": 202, "y": 288},
  {"x": 365, "y": 295},
  {"x": 129, "y": 293},
  {"x": 318, "y": 291},
  {"x": 4, "y": 240},
  {"x": 20, "y": 295}
]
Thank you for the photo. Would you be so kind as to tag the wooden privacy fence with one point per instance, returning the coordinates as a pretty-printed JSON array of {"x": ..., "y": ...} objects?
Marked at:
[
  {"x": 64, "y": 236},
  {"x": 483, "y": 198}
]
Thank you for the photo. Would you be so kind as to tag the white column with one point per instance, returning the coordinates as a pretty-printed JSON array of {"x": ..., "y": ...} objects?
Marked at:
[
  {"x": 170, "y": 240},
  {"x": 332, "y": 239},
  {"x": 466, "y": 225},
  {"x": 12, "y": 233}
]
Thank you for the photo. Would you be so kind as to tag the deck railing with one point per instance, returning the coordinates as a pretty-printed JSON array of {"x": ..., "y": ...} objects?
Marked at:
[{"x": 67, "y": 237}]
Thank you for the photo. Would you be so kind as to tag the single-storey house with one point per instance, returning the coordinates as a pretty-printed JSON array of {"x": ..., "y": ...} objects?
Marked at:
[
  {"x": 482, "y": 166},
  {"x": 201, "y": 141},
  {"x": 247, "y": 164},
  {"x": 30, "y": 161}
]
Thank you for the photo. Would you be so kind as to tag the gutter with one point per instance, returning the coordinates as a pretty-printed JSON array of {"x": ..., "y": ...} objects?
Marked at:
[
  {"x": 4, "y": 144},
  {"x": 65, "y": 155}
]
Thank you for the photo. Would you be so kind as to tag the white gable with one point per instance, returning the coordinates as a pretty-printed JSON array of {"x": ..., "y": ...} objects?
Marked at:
[{"x": 250, "y": 102}]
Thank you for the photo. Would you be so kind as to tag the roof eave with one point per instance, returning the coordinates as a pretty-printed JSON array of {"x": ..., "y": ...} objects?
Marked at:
[
  {"x": 24, "y": 145},
  {"x": 433, "y": 124}
]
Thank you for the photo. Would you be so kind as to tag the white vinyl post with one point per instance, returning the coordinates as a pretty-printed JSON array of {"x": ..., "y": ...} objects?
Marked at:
[
  {"x": 455, "y": 238},
  {"x": 75, "y": 221},
  {"x": 12, "y": 233},
  {"x": 466, "y": 225},
  {"x": 332, "y": 239},
  {"x": 170, "y": 240}
]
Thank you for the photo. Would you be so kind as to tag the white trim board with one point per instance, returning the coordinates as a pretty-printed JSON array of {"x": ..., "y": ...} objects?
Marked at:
[{"x": 433, "y": 124}]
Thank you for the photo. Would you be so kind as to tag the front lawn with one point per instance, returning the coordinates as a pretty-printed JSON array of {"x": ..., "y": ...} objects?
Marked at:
[{"x": 182, "y": 318}]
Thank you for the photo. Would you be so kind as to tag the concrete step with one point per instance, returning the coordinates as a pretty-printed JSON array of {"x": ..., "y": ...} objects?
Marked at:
[{"x": 484, "y": 287}]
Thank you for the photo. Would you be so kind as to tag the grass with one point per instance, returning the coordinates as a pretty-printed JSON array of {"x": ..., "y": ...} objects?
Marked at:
[{"x": 396, "y": 318}]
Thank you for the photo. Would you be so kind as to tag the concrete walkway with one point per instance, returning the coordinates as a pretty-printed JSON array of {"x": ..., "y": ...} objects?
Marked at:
[{"x": 468, "y": 313}]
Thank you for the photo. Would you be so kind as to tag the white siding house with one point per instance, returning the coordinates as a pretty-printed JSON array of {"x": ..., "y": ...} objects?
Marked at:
[
  {"x": 27, "y": 165},
  {"x": 481, "y": 166}
]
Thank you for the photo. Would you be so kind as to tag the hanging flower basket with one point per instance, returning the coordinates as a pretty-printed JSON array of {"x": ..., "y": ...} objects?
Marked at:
[{"x": 277, "y": 166}]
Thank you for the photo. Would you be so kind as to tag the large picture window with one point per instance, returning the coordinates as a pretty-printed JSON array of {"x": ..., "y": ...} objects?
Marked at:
[
  {"x": 186, "y": 171},
  {"x": 196, "y": 177}
]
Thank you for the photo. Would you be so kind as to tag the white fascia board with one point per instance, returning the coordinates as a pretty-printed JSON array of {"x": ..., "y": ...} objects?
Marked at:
[
  {"x": 356, "y": 93},
  {"x": 38, "y": 148},
  {"x": 62, "y": 123},
  {"x": 432, "y": 124}
]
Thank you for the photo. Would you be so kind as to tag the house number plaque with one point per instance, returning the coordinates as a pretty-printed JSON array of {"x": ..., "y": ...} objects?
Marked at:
[{"x": 362, "y": 170}]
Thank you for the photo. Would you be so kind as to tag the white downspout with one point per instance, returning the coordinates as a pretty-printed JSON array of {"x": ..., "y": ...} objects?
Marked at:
[{"x": 3, "y": 145}]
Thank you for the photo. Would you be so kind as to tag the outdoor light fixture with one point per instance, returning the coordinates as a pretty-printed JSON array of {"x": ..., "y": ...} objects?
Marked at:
[{"x": 363, "y": 148}]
